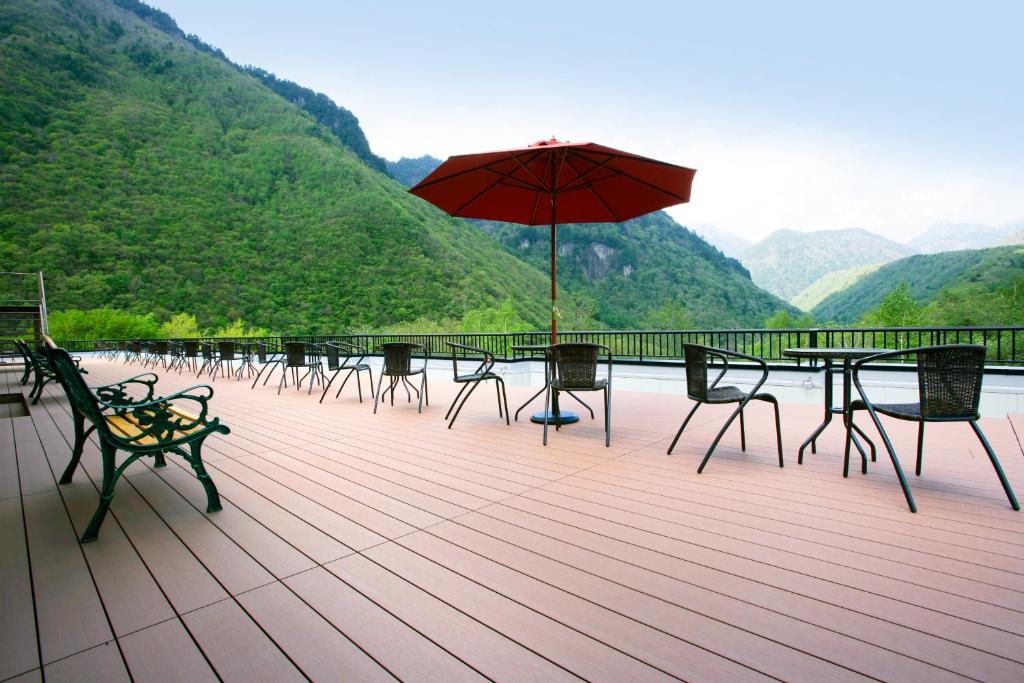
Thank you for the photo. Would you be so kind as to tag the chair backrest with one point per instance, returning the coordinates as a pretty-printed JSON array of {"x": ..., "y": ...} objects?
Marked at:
[
  {"x": 295, "y": 353},
  {"x": 160, "y": 348},
  {"x": 333, "y": 352},
  {"x": 79, "y": 394},
  {"x": 135, "y": 346},
  {"x": 207, "y": 349},
  {"x": 696, "y": 371},
  {"x": 227, "y": 350},
  {"x": 122, "y": 346},
  {"x": 191, "y": 348},
  {"x": 398, "y": 357},
  {"x": 261, "y": 351},
  {"x": 949, "y": 380},
  {"x": 575, "y": 364}
]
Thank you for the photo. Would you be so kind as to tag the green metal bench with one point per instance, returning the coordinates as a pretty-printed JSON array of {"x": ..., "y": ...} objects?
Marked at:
[{"x": 139, "y": 425}]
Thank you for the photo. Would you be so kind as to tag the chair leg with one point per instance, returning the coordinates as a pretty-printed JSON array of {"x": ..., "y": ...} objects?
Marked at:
[
  {"x": 607, "y": 419},
  {"x": 376, "y": 398},
  {"x": 895, "y": 461},
  {"x": 284, "y": 380},
  {"x": 920, "y": 446},
  {"x": 456, "y": 400},
  {"x": 329, "y": 385},
  {"x": 196, "y": 460},
  {"x": 721, "y": 433},
  {"x": 372, "y": 392},
  {"x": 81, "y": 434},
  {"x": 995, "y": 463},
  {"x": 497, "y": 390},
  {"x": 504, "y": 397},
  {"x": 423, "y": 393},
  {"x": 426, "y": 388},
  {"x": 778, "y": 431},
  {"x": 472, "y": 387},
  {"x": 685, "y": 422},
  {"x": 345, "y": 381},
  {"x": 743, "y": 433},
  {"x": 359, "y": 386}
]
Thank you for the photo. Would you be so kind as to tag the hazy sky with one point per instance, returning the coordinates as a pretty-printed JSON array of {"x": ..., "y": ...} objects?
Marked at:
[{"x": 889, "y": 116}]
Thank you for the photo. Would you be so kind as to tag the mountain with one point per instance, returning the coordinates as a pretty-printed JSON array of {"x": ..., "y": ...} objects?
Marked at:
[
  {"x": 729, "y": 243},
  {"x": 830, "y": 283},
  {"x": 931, "y": 277},
  {"x": 959, "y": 236},
  {"x": 787, "y": 262},
  {"x": 632, "y": 269},
  {"x": 144, "y": 173},
  {"x": 410, "y": 171},
  {"x": 1017, "y": 237}
]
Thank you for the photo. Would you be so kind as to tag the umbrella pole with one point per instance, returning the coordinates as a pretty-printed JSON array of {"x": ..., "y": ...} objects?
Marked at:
[{"x": 554, "y": 323}]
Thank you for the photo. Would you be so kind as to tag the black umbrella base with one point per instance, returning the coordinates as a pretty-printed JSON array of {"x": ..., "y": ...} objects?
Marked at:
[{"x": 565, "y": 418}]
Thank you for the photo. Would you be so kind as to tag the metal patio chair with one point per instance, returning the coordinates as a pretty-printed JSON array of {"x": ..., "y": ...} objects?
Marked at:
[
  {"x": 342, "y": 356},
  {"x": 700, "y": 391},
  {"x": 208, "y": 351},
  {"x": 949, "y": 390},
  {"x": 225, "y": 357},
  {"x": 470, "y": 381},
  {"x": 299, "y": 355},
  {"x": 572, "y": 368},
  {"x": 268, "y": 358},
  {"x": 398, "y": 367}
]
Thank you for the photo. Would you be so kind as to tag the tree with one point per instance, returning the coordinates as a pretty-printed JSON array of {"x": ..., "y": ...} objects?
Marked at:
[
  {"x": 671, "y": 315},
  {"x": 899, "y": 308},
  {"x": 181, "y": 326},
  {"x": 784, "y": 320}
]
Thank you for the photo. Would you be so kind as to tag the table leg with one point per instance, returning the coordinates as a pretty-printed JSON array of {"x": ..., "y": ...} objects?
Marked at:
[{"x": 828, "y": 415}]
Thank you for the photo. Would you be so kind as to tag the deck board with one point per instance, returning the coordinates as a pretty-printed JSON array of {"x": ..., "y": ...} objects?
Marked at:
[{"x": 388, "y": 547}]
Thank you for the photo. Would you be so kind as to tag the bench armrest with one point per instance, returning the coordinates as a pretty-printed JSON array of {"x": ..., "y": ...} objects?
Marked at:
[{"x": 116, "y": 393}]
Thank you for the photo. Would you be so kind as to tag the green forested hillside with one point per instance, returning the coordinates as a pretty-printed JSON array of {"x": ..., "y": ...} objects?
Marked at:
[
  {"x": 648, "y": 272},
  {"x": 787, "y": 261},
  {"x": 828, "y": 284},
  {"x": 140, "y": 172},
  {"x": 411, "y": 170},
  {"x": 959, "y": 287}
]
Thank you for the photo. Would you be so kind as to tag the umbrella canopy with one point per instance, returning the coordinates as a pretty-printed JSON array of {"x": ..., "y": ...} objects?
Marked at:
[{"x": 552, "y": 182}]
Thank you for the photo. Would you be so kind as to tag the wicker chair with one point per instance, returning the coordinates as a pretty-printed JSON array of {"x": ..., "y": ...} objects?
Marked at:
[
  {"x": 398, "y": 366},
  {"x": 482, "y": 373},
  {"x": 225, "y": 356},
  {"x": 700, "y": 391},
  {"x": 209, "y": 354},
  {"x": 342, "y": 356},
  {"x": 949, "y": 390},
  {"x": 572, "y": 368},
  {"x": 268, "y": 358},
  {"x": 298, "y": 356}
]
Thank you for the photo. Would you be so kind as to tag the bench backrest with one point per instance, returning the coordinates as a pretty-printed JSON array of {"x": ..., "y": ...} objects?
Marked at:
[{"x": 79, "y": 394}]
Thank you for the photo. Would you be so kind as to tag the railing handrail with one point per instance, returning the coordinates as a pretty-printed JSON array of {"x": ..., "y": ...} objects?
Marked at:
[{"x": 1005, "y": 342}]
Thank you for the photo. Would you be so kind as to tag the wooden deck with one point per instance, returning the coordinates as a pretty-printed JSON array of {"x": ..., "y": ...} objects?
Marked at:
[{"x": 355, "y": 546}]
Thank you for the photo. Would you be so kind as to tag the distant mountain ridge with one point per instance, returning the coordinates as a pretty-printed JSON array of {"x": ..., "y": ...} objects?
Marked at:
[
  {"x": 927, "y": 275},
  {"x": 787, "y": 261},
  {"x": 728, "y": 243},
  {"x": 959, "y": 236},
  {"x": 410, "y": 171}
]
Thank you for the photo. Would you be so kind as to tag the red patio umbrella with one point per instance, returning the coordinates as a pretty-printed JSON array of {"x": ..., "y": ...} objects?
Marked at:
[{"x": 553, "y": 182}]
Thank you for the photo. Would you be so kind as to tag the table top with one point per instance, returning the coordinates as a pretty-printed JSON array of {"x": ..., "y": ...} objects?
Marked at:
[
  {"x": 530, "y": 347},
  {"x": 841, "y": 353}
]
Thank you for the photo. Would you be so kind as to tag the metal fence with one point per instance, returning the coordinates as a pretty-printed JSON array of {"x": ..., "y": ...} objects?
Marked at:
[{"x": 1005, "y": 344}]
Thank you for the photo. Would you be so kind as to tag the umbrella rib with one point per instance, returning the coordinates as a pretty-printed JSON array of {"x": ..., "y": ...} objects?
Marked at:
[
  {"x": 653, "y": 186},
  {"x": 589, "y": 186},
  {"x": 484, "y": 166},
  {"x": 581, "y": 176},
  {"x": 477, "y": 196},
  {"x": 540, "y": 183}
]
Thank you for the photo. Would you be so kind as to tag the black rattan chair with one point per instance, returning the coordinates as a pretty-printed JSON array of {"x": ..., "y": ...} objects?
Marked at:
[
  {"x": 225, "y": 356},
  {"x": 268, "y": 359},
  {"x": 949, "y": 390},
  {"x": 700, "y": 391},
  {"x": 299, "y": 355},
  {"x": 342, "y": 356},
  {"x": 572, "y": 367},
  {"x": 398, "y": 366},
  {"x": 209, "y": 354},
  {"x": 482, "y": 373}
]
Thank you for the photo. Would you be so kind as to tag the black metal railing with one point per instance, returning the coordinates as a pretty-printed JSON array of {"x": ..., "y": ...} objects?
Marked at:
[{"x": 1005, "y": 343}]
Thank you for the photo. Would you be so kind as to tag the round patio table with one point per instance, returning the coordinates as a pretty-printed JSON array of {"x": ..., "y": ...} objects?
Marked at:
[
  {"x": 831, "y": 356},
  {"x": 565, "y": 417}
]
